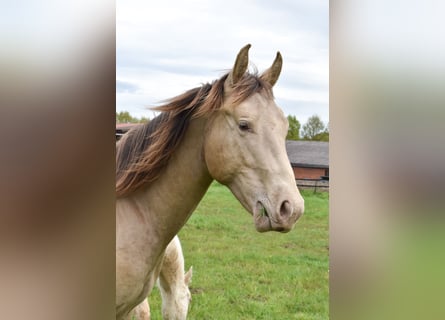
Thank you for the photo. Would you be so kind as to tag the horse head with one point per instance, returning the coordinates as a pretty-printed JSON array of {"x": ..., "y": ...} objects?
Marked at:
[{"x": 245, "y": 147}]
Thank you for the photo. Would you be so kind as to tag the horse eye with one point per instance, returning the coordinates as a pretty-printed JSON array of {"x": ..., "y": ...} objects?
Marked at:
[{"x": 244, "y": 126}]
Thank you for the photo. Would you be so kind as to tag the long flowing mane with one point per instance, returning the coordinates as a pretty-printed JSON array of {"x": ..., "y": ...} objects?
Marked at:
[{"x": 144, "y": 151}]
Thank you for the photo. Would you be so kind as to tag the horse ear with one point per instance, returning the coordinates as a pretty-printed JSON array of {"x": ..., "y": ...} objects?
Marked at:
[
  {"x": 188, "y": 276},
  {"x": 240, "y": 67},
  {"x": 271, "y": 75}
]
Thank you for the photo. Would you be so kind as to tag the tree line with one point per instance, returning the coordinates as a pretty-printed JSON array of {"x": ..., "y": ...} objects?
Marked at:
[
  {"x": 126, "y": 117},
  {"x": 314, "y": 129}
]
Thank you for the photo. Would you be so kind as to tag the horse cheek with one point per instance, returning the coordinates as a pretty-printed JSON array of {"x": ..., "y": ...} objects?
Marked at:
[{"x": 219, "y": 162}]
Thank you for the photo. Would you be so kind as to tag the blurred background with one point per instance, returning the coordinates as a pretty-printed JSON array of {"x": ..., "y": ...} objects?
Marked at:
[
  {"x": 57, "y": 104},
  {"x": 387, "y": 159}
]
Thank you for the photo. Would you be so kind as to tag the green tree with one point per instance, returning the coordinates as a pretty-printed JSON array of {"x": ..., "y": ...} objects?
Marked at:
[
  {"x": 126, "y": 117},
  {"x": 294, "y": 128},
  {"x": 323, "y": 136},
  {"x": 144, "y": 119},
  {"x": 314, "y": 128}
]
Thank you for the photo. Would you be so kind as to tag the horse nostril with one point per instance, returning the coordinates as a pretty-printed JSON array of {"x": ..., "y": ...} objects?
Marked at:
[{"x": 285, "y": 209}]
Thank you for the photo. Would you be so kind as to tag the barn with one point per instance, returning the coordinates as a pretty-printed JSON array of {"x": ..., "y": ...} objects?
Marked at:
[
  {"x": 309, "y": 161},
  {"x": 122, "y": 128}
]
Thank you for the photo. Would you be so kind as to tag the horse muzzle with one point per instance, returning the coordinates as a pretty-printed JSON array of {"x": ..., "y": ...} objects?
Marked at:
[{"x": 282, "y": 219}]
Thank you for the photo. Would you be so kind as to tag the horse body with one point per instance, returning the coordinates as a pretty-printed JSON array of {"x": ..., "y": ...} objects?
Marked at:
[
  {"x": 231, "y": 131},
  {"x": 173, "y": 284}
]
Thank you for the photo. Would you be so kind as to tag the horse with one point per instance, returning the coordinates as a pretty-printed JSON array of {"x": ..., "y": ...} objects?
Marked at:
[
  {"x": 140, "y": 312},
  {"x": 173, "y": 285},
  {"x": 231, "y": 131}
]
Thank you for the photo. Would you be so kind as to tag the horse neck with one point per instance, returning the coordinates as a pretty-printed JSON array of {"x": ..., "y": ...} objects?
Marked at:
[
  {"x": 173, "y": 292},
  {"x": 172, "y": 198},
  {"x": 172, "y": 281},
  {"x": 171, "y": 277}
]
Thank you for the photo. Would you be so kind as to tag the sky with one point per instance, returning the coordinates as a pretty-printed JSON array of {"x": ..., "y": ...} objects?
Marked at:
[{"x": 167, "y": 47}]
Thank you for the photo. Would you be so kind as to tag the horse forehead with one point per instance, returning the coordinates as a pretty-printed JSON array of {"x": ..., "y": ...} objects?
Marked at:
[{"x": 259, "y": 105}]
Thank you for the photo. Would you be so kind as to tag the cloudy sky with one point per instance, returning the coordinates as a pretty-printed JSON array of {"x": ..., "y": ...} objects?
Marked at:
[{"x": 167, "y": 47}]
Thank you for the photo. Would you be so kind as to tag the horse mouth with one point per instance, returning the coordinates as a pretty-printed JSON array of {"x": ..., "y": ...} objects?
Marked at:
[
  {"x": 261, "y": 218},
  {"x": 265, "y": 222}
]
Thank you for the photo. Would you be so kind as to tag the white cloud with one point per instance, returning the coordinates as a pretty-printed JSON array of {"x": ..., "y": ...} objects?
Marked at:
[{"x": 167, "y": 47}]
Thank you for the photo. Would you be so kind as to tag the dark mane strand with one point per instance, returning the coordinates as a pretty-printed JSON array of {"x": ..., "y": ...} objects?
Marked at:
[{"x": 145, "y": 150}]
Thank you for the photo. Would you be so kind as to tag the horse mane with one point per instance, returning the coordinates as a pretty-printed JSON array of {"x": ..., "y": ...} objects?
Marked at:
[{"x": 145, "y": 150}]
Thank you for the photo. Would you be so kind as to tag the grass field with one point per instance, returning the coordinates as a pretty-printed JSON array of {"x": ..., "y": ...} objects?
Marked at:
[{"x": 239, "y": 273}]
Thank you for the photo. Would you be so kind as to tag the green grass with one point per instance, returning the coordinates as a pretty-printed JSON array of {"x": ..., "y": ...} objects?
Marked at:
[{"x": 239, "y": 273}]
